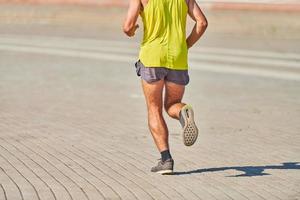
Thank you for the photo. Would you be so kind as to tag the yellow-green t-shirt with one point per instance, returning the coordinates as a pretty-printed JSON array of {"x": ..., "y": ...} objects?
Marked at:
[{"x": 164, "y": 41}]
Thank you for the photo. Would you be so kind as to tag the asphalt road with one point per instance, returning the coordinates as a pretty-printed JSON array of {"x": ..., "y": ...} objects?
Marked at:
[{"x": 73, "y": 118}]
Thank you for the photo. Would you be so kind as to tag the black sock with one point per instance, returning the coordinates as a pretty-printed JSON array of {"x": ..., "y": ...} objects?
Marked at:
[
  {"x": 181, "y": 120},
  {"x": 165, "y": 155}
]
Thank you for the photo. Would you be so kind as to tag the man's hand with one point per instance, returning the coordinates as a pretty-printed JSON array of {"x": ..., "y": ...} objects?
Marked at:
[
  {"x": 131, "y": 32},
  {"x": 130, "y": 26}
]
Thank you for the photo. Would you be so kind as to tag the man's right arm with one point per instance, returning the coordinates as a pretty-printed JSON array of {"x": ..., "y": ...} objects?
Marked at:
[
  {"x": 201, "y": 23},
  {"x": 130, "y": 26}
]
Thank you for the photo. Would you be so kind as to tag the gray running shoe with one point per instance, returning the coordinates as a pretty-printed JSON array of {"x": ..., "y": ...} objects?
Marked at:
[
  {"x": 165, "y": 167},
  {"x": 190, "y": 130}
]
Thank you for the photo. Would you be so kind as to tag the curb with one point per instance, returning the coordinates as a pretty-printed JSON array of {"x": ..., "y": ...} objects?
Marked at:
[
  {"x": 111, "y": 3},
  {"x": 290, "y": 7}
]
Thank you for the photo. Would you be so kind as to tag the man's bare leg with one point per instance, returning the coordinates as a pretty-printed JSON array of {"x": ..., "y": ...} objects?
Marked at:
[
  {"x": 157, "y": 125},
  {"x": 173, "y": 96},
  {"x": 178, "y": 110}
]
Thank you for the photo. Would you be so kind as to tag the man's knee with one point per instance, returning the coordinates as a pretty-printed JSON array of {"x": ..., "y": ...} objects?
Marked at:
[
  {"x": 154, "y": 112},
  {"x": 155, "y": 117},
  {"x": 167, "y": 107},
  {"x": 172, "y": 109}
]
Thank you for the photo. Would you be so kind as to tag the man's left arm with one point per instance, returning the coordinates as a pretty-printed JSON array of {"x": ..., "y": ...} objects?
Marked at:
[{"x": 130, "y": 26}]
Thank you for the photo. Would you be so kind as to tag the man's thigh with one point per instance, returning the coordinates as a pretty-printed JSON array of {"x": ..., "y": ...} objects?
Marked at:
[{"x": 153, "y": 93}]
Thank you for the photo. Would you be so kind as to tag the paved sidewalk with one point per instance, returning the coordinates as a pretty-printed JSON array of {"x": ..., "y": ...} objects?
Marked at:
[{"x": 73, "y": 126}]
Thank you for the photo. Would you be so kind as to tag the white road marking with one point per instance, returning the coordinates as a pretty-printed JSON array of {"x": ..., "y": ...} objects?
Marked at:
[
  {"x": 202, "y": 56},
  {"x": 229, "y": 69},
  {"x": 67, "y": 53},
  {"x": 244, "y": 52},
  {"x": 239, "y": 59},
  {"x": 97, "y": 43},
  {"x": 75, "y": 48}
]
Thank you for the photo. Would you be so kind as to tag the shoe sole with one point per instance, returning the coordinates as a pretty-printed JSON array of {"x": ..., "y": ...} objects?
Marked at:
[
  {"x": 165, "y": 172},
  {"x": 190, "y": 130}
]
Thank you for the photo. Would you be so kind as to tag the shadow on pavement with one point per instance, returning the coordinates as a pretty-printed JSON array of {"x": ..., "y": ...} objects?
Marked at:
[{"x": 248, "y": 170}]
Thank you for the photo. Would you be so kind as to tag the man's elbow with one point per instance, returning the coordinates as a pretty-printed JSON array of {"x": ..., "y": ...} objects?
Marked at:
[{"x": 202, "y": 24}]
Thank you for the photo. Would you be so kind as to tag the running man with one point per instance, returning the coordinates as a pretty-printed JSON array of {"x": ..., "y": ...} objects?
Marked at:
[{"x": 163, "y": 65}]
